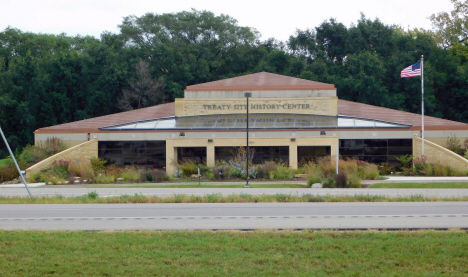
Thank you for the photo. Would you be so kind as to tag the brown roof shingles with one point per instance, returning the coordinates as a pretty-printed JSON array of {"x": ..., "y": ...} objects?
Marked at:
[
  {"x": 261, "y": 81},
  {"x": 346, "y": 108},
  {"x": 355, "y": 109},
  {"x": 92, "y": 125}
]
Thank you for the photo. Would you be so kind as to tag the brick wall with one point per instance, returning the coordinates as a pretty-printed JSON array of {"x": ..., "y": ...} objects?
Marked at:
[
  {"x": 82, "y": 152},
  {"x": 437, "y": 153}
]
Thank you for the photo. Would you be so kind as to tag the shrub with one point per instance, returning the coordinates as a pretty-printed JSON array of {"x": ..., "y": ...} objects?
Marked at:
[
  {"x": 452, "y": 143},
  {"x": 188, "y": 168},
  {"x": 130, "y": 174},
  {"x": 35, "y": 177},
  {"x": 341, "y": 180},
  {"x": 82, "y": 169},
  {"x": 386, "y": 169},
  {"x": 313, "y": 169},
  {"x": 204, "y": 169},
  {"x": 98, "y": 164},
  {"x": 419, "y": 164},
  {"x": 61, "y": 165},
  {"x": 313, "y": 180},
  {"x": 159, "y": 175},
  {"x": 354, "y": 181},
  {"x": 217, "y": 173},
  {"x": 8, "y": 173},
  {"x": 405, "y": 160},
  {"x": 263, "y": 170},
  {"x": 32, "y": 154},
  {"x": 329, "y": 183},
  {"x": 53, "y": 146},
  {"x": 113, "y": 170},
  {"x": 369, "y": 172},
  {"x": 282, "y": 172}
]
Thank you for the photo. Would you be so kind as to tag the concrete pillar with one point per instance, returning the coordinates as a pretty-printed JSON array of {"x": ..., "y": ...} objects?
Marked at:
[
  {"x": 210, "y": 155},
  {"x": 171, "y": 157},
  {"x": 293, "y": 155},
  {"x": 333, "y": 147}
]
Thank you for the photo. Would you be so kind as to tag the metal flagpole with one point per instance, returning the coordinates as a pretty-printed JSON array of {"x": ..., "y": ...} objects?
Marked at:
[
  {"x": 16, "y": 164},
  {"x": 422, "y": 104}
]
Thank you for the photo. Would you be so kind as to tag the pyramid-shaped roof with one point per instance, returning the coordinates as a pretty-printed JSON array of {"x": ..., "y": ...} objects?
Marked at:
[{"x": 261, "y": 81}]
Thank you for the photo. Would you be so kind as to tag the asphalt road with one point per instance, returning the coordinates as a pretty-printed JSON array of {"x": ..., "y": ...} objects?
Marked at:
[{"x": 243, "y": 216}]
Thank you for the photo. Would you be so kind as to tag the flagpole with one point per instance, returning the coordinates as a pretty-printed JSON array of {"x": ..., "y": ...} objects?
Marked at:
[{"x": 422, "y": 104}]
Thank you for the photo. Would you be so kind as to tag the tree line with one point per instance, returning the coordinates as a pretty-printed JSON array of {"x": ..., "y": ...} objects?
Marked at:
[{"x": 52, "y": 79}]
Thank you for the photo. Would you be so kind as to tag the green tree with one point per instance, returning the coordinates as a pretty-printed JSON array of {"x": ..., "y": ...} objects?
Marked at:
[{"x": 187, "y": 47}]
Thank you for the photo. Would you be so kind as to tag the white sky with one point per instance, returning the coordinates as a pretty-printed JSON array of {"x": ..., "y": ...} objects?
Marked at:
[{"x": 278, "y": 19}]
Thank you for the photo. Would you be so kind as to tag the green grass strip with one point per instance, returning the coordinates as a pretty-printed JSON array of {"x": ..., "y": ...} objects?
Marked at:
[
  {"x": 94, "y": 198},
  {"x": 447, "y": 185},
  {"x": 205, "y": 186},
  {"x": 233, "y": 253}
]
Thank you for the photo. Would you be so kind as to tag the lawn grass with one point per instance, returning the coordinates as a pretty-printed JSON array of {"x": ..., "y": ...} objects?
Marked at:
[
  {"x": 447, "y": 185},
  {"x": 295, "y": 186},
  {"x": 234, "y": 253},
  {"x": 94, "y": 198},
  {"x": 3, "y": 162}
]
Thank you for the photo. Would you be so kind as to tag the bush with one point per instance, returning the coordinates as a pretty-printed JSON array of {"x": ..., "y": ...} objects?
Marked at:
[
  {"x": 405, "y": 160},
  {"x": 82, "y": 169},
  {"x": 32, "y": 154},
  {"x": 386, "y": 169},
  {"x": 130, "y": 174},
  {"x": 158, "y": 175},
  {"x": 282, "y": 172},
  {"x": 313, "y": 180},
  {"x": 453, "y": 144},
  {"x": 8, "y": 173},
  {"x": 53, "y": 146},
  {"x": 329, "y": 183},
  {"x": 354, "y": 181},
  {"x": 263, "y": 170},
  {"x": 369, "y": 172},
  {"x": 98, "y": 164},
  {"x": 217, "y": 173},
  {"x": 341, "y": 180},
  {"x": 188, "y": 168}
]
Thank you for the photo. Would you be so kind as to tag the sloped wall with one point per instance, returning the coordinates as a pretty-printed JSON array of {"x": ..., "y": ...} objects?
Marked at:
[
  {"x": 82, "y": 152},
  {"x": 437, "y": 153}
]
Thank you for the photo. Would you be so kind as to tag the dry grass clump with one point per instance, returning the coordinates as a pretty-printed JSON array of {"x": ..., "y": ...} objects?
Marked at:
[{"x": 350, "y": 172}]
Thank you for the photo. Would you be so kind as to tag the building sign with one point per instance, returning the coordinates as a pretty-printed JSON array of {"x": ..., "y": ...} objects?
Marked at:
[{"x": 320, "y": 106}]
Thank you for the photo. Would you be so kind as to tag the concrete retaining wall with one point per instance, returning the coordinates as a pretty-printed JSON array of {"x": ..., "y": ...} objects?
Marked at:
[
  {"x": 82, "y": 152},
  {"x": 440, "y": 154}
]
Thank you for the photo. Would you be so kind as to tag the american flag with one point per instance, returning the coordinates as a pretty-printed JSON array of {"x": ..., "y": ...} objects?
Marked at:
[{"x": 411, "y": 71}]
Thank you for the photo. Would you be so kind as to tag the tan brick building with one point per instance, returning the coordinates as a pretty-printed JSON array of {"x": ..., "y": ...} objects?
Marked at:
[{"x": 290, "y": 120}]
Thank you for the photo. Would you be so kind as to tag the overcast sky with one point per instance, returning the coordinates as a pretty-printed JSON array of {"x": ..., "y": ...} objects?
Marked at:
[{"x": 278, "y": 19}]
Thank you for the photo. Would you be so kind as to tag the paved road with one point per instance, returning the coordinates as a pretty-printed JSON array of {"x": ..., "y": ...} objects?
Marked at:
[
  {"x": 235, "y": 216},
  {"x": 161, "y": 192}
]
